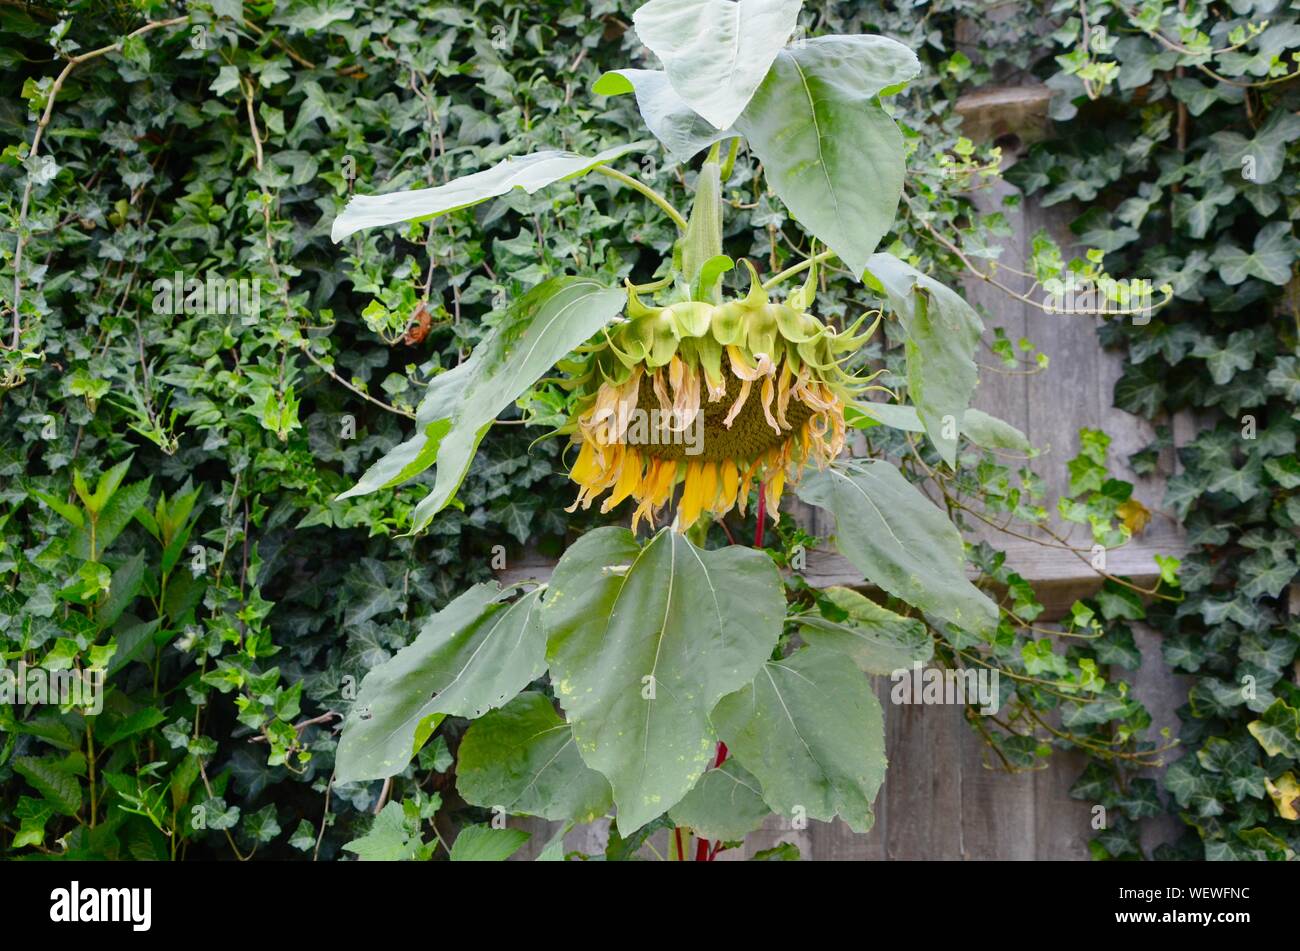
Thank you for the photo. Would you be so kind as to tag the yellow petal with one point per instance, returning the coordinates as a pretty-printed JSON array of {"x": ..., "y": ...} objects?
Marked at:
[
  {"x": 737, "y": 406},
  {"x": 769, "y": 392},
  {"x": 629, "y": 479},
  {"x": 688, "y": 511}
]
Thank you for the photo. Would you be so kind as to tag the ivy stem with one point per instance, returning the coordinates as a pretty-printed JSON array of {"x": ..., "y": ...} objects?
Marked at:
[
  {"x": 803, "y": 265},
  {"x": 646, "y": 190}
]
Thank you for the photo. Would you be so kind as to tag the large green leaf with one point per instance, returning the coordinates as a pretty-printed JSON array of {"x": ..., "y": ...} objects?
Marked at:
[
  {"x": 523, "y": 759},
  {"x": 828, "y": 147},
  {"x": 943, "y": 332},
  {"x": 683, "y": 131},
  {"x": 810, "y": 729},
  {"x": 897, "y": 538},
  {"x": 878, "y": 640},
  {"x": 726, "y": 804},
  {"x": 642, "y": 643},
  {"x": 475, "y": 654},
  {"x": 537, "y": 330},
  {"x": 529, "y": 172},
  {"x": 716, "y": 52}
]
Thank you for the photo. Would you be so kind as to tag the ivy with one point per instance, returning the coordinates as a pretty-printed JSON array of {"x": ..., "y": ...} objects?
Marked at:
[{"x": 1213, "y": 86}]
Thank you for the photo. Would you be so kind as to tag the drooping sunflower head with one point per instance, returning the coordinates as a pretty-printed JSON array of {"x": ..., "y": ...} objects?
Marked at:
[{"x": 711, "y": 397}]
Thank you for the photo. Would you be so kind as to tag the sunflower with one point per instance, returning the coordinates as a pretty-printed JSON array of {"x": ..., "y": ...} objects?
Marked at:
[{"x": 711, "y": 397}]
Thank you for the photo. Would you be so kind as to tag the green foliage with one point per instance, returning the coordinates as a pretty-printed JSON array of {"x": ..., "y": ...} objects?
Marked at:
[
  {"x": 1185, "y": 127},
  {"x": 175, "y": 504}
]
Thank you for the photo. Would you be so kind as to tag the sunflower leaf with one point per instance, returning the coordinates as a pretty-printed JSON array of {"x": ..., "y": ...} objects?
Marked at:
[
  {"x": 523, "y": 759},
  {"x": 681, "y": 130},
  {"x": 537, "y": 330},
  {"x": 829, "y": 149},
  {"x": 878, "y": 640},
  {"x": 942, "y": 334},
  {"x": 642, "y": 643},
  {"x": 899, "y": 540},
  {"x": 475, "y": 654},
  {"x": 716, "y": 52},
  {"x": 529, "y": 172},
  {"x": 811, "y": 730}
]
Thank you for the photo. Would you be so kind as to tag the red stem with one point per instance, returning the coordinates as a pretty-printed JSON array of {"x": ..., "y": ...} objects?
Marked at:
[
  {"x": 762, "y": 514},
  {"x": 702, "y": 851}
]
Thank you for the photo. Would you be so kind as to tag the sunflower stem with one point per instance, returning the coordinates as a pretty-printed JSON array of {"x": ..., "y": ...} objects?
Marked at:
[
  {"x": 802, "y": 266},
  {"x": 646, "y": 190}
]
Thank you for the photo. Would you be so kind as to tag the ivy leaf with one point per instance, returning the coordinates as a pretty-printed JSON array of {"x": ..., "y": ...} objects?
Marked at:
[
  {"x": 878, "y": 640},
  {"x": 1285, "y": 794},
  {"x": 726, "y": 804},
  {"x": 53, "y": 780},
  {"x": 829, "y": 149},
  {"x": 475, "y": 654},
  {"x": 1197, "y": 214},
  {"x": 523, "y": 759},
  {"x": 683, "y": 131},
  {"x": 389, "y": 839},
  {"x": 1265, "y": 575},
  {"x": 529, "y": 172},
  {"x": 716, "y": 52},
  {"x": 897, "y": 538},
  {"x": 1274, "y": 253},
  {"x": 1224, "y": 362},
  {"x": 1278, "y": 730},
  {"x": 1266, "y": 151},
  {"x": 810, "y": 728},
  {"x": 942, "y": 334},
  {"x": 642, "y": 643}
]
